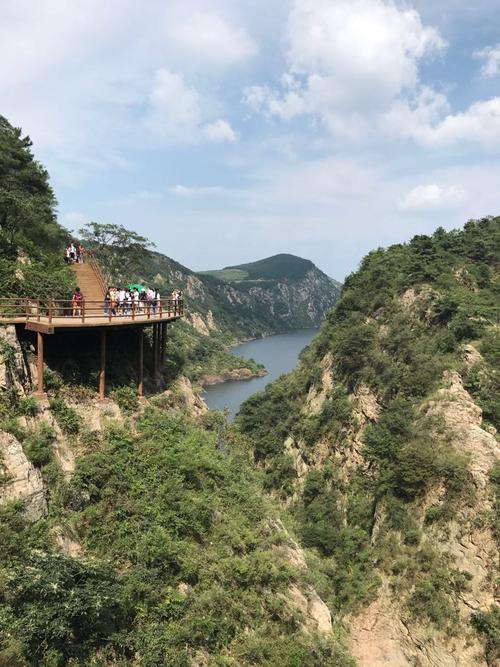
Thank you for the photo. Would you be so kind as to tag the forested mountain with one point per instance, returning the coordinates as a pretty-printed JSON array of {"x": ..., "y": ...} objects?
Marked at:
[{"x": 383, "y": 446}]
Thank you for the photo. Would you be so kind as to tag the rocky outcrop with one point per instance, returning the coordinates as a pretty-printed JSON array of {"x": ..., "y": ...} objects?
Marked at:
[
  {"x": 21, "y": 480},
  {"x": 383, "y": 633},
  {"x": 234, "y": 374},
  {"x": 15, "y": 371}
]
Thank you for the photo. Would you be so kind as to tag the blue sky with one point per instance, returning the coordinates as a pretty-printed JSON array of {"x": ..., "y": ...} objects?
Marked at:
[{"x": 227, "y": 131}]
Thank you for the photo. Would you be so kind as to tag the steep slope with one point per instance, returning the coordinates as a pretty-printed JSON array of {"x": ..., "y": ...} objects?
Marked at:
[{"x": 383, "y": 446}]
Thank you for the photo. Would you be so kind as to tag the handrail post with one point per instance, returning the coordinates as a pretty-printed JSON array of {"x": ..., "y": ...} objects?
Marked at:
[
  {"x": 38, "y": 310},
  {"x": 83, "y": 311},
  {"x": 51, "y": 303}
]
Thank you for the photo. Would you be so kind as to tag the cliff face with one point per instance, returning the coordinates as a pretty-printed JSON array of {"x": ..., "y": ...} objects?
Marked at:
[
  {"x": 383, "y": 446},
  {"x": 293, "y": 295}
]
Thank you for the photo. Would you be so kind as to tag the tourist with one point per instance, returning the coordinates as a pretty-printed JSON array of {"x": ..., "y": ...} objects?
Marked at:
[
  {"x": 157, "y": 301},
  {"x": 127, "y": 302},
  {"x": 77, "y": 302},
  {"x": 107, "y": 302},
  {"x": 80, "y": 250},
  {"x": 72, "y": 252},
  {"x": 135, "y": 300},
  {"x": 142, "y": 301},
  {"x": 112, "y": 300},
  {"x": 150, "y": 296}
]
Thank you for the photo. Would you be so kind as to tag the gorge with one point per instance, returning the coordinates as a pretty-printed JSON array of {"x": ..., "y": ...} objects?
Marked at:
[{"x": 350, "y": 515}]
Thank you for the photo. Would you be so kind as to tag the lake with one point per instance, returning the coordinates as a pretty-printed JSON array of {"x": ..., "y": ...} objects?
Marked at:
[{"x": 279, "y": 354}]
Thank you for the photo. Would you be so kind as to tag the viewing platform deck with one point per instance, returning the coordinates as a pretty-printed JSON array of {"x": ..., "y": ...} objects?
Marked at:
[{"x": 47, "y": 316}]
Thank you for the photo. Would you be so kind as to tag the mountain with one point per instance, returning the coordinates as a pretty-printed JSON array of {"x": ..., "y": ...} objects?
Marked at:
[
  {"x": 271, "y": 296},
  {"x": 383, "y": 448}
]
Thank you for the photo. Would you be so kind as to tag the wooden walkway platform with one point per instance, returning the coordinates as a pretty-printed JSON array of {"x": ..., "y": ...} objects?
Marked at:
[{"x": 47, "y": 316}]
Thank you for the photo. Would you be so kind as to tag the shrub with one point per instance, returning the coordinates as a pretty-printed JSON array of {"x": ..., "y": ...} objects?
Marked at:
[
  {"x": 37, "y": 445},
  {"x": 28, "y": 406},
  {"x": 66, "y": 417},
  {"x": 488, "y": 624},
  {"x": 127, "y": 399}
]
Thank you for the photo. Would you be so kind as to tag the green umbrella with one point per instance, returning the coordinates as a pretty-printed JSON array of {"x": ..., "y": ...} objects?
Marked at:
[{"x": 136, "y": 286}]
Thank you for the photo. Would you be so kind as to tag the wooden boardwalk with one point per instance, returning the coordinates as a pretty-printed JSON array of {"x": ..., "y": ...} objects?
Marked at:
[{"x": 46, "y": 316}]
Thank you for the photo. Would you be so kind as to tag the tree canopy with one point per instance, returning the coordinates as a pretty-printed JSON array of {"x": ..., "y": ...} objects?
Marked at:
[{"x": 119, "y": 250}]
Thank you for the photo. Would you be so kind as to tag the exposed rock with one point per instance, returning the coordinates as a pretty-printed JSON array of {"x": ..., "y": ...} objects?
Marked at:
[
  {"x": 23, "y": 480},
  {"x": 317, "y": 617},
  {"x": 14, "y": 370},
  {"x": 317, "y": 395},
  {"x": 470, "y": 355},
  {"x": 96, "y": 414},
  {"x": 197, "y": 323},
  {"x": 67, "y": 545},
  {"x": 367, "y": 407},
  {"x": 211, "y": 324},
  {"x": 190, "y": 399}
]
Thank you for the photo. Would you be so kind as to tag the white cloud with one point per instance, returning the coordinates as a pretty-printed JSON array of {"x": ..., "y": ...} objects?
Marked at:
[
  {"x": 189, "y": 192},
  {"x": 174, "y": 108},
  {"x": 491, "y": 57},
  {"x": 209, "y": 39},
  {"x": 427, "y": 122},
  {"x": 347, "y": 58},
  {"x": 219, "y": 130},
  {"x": 432, "y": 197},
  {"x": 176, "y": 113}
]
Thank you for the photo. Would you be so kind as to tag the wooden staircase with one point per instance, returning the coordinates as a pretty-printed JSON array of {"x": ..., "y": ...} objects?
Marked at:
[{"x": 90, "y": 281}]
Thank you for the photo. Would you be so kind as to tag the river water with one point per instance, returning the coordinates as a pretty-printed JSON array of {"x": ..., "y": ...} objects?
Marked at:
[{"x": 279, "y": 354}]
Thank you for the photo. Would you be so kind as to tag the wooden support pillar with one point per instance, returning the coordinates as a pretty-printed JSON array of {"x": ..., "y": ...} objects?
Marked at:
[
  {"x": 140, "y": 368},
  {"x": 102, "y": 369},
  {"x": 156, "y": 353},
  {"x": 163, "y": 341},
  {"x": 39, "y": 364}
]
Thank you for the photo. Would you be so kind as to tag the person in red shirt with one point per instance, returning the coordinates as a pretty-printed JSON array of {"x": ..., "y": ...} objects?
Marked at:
[{"x": 77, "y": 302}]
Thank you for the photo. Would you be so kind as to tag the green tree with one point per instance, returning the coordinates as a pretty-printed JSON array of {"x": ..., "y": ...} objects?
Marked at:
[
  {"x": 119, "y": 250},
  {"x": 28, "y": 221}
]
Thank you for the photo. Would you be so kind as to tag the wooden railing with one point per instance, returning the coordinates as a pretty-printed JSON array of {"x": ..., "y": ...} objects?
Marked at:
[
  {"x": 88, "y": 258},
  {"x": 60, "y": 310}
]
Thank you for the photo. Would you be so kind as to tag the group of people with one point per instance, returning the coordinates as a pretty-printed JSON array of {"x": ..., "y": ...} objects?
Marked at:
[
  {"x": 74, "y": 253},
  {"x": 121, "y": 301}
]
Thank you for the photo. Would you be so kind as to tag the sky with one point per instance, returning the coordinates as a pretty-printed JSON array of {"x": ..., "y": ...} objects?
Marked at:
[{"x": 230, "y": 130}]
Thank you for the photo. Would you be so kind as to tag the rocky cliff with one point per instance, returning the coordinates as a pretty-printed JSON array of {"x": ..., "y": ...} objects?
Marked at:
[{"x": 383, "y": 447}]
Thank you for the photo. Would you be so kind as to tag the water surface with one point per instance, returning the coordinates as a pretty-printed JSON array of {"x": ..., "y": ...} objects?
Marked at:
[{"x": 279, "y": 354}]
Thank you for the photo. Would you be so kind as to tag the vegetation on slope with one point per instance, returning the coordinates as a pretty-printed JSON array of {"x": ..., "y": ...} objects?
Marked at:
[
  {"x": 178, "y": 560},
  {"x": 403, "y": 319},
  {"x": 31, "y": 240}
]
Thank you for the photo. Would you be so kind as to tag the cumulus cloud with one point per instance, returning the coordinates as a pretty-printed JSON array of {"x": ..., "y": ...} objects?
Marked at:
[
  {"x": 490, "y": 56},
  {"x": 432, "y": 197},
  {"x": 348, "y": 58},
  {"x": 427, "y": 122},
  {"x": 219, "y": 130}
]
